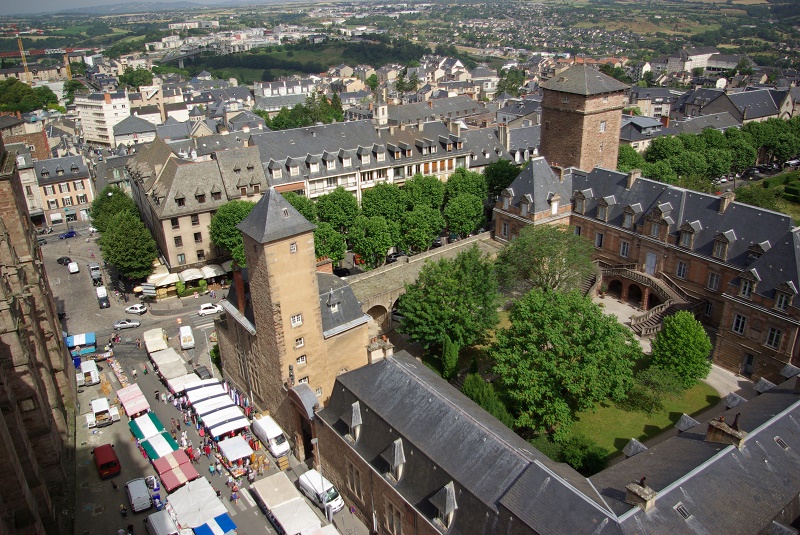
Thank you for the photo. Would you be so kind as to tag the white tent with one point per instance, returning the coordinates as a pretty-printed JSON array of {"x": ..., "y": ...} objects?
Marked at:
[
  {"x": 195, "y": 503},
  {"x": 163, "y": 358},
  {"x": 191, "y": 274},
  {"x": 213, "y": 404},
  {"x": 225, "y": 420},
  {"x": 173, "y": 369},
  {"x": 296, "y": 516},
  {"x": 235, "y": 448},
  {"x": 197, "y": 395},
  {"x": 177, "y": 384},
  {"x": 212, "y": 270}
]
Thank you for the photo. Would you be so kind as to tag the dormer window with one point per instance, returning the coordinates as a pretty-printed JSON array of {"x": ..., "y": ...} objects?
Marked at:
[
  {"x": 686, "y": 239},
  {"x": 331, "y": 165},
  {"x": 782, "y": 300},
  {"x": 314, "y": 167},
  {"x": 746, "y": 288},
  {"x": 445, "y": 503},
  {"x": 201, "y": 198},
  {"x": 396, "y": 459},
  {"x": 45, "y": 172},
  {"x": 294, "y": 170},
  {"x": 720, "y": 249},
  {"x": 346, "y": 162},
  {"x": 655, "y": 230},
  {"x": 365, "y": 159},
  {"x": 380, "y": 157},
  {"x": 602, "y": 212},
  {"x": 627, "y": 220},
  {"x": 580, "y": 205},
  {"x": 277, "y": 173},
  {"x": 352, "y": 418},
  {"x": 237, "y": 169}
]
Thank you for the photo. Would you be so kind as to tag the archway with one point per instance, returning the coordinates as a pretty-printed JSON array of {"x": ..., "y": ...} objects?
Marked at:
[
  {"x": 380, "y": 315},
  {"x": 634, "y": 295},
  {"x": 615, "y": 289},
  {"x": 653, "y": 300}
]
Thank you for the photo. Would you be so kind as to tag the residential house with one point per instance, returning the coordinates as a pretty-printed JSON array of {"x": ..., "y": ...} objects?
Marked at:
[
  {"x": 66, "y": 189},
  {"x": 652, "y": 101},
  {"x": 693, "y": 103},
  {"x": 28, "y": 182},
  {"x": 11, "y": 125},
  {"x": 453, "y": 108},
  {"x": 520, "y": 112},
  {"x": 639, "y": 131},
  {"x": 134, "y": 130},
  {"x": 99, "y": 113},
  {"x": 747, "y": 106},
  {"x": 695, "y": 125},
  {"x": 487, "y": 79}
]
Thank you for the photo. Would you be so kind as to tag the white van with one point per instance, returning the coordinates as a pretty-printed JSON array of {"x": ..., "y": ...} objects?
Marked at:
[
  {"x": 160, "y": 523},
  {"x": 89, "y": 374},
  {"x": 270, "y": 433},
  {"x": 138, "y": 495},
  {"x": 320, "y": 491},
  {"x": 102, "y": 297},
  {"x": 187, "y": 337}
]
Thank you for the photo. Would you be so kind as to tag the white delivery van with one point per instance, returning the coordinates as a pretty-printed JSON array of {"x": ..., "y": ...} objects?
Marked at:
[
  {"x": 102, "y": 297},
  {"x": 161, "y": 523},
  {"x": 187, "y": 337},
  {"x": 102, "y": 413},
  {"x": 320, "y": 491},
  {"x": 270, "y": 433},
  {"x": 138, "y": 495},
  {"x": 89, "y": 374}
]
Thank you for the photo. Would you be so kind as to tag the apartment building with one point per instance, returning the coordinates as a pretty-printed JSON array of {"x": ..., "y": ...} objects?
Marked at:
[
  {"x": 65, "y": 188},
  {"x": 99, "y": 113}
]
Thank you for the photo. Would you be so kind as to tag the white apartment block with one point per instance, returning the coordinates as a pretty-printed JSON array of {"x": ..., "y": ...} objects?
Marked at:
[{"x": 99, "y": 113}]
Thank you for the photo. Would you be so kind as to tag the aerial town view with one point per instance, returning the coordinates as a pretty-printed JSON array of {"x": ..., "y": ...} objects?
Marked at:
[{"x": 400, "y": 268}]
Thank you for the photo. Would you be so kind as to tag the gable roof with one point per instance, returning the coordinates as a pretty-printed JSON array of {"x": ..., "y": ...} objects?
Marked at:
[
  {"x": 581, "y": 79},
  {"x": 133, "y": 125},
  {"x": 537, "y": 184},
  {"x": 273, "y": 218},
  {"x": 339, "y": 308}
]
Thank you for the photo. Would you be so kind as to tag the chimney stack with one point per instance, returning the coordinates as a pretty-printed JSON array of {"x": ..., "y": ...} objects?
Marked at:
[
  {"x": 665, "y": 121},
  {"x": 640, "y": 494},
  {"x": 379, "y": 349},
  {"x": 107, "y": 97},
  {"x": 633, "y": 176},
  {"x": 735, "y": 425},
  {"x": 238, "y": 282},
  {"x": 725, "y": 200},
  {"x": 719, "y": 432}
]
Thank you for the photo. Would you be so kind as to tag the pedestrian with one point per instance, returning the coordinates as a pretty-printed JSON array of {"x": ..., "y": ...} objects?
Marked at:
[
  {"x": 138, "y": 344},
  {"x": 234, "y": 495},
  {"x": 123, "y": 510},
  {"x": 219, "y": 493},
  {"x": 114, "y": 486},
  {"x": 134, "y": 374},
  {"x": 218, "y": 466},
  {"x": 120, "y": 531},
  {"x": 174, "y": 436},
  {"x": 144, "y": 369},
  {"x": 158, "y": 395},
  {"x": 207, "y": 450},
  {"x": 173, "y": 422},
  {"x": 130, "y": 529},
  {"x": 163, "y": 397}
]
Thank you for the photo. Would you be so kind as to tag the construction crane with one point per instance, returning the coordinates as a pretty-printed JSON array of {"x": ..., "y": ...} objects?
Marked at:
[
  {"x": 24, "y": 60},
  {"x": 67, "y": 67}
]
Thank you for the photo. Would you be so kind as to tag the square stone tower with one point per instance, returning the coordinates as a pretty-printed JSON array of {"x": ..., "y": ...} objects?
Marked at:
[{"x": 581, "y": 118}]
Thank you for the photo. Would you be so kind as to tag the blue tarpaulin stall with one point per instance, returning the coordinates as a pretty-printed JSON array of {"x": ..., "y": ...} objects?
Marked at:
[
  {"x": 220, "y": 525},
  {"x": 81, "y": 344}
]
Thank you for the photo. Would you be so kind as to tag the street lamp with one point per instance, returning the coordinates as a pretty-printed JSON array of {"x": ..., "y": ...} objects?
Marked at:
[{"x": 315, "y": 442}]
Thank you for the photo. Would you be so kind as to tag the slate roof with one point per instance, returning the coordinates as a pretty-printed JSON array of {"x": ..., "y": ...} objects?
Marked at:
[
  {"x": 724, "y": 489},
  {"x": 651, "y": 93},
  {"x": 484, "y": 146},
  {"x": 339, "y": 308},
  {"x": 451, "y": 107},
  {"x": 518, "y": 108},
  {"x": 133, "y": 125},
  {"x": 447, "y": 437},
  {"x": 582, "y": 79},
  {"x": 9, "y": 121},
  {"x": 172, "y": 129},
  {"x": 700, "y": 97},
  {"x": 524, "y": 138},
  {"x": 278, "y": 102},
  {"x": 70, "y": 167},
  {"x": 273, "y": 218},
  {"x": 743, "y": 225},
  {"x": 755, "y": 104},
  {"x": 537, "y": 184},
  {"x": 638, "y": 128},
  {"x": 695, "y": 125},
  {"x": 240, "y": 167},
  {"x": 146, "y": 110}
]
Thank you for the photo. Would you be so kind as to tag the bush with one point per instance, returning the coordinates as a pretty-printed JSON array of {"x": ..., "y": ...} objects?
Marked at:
[
  {"x": 483, "y": 393},
  {"x": 203, "y": 285},
  {"x": 649, "y": 389},
  {"x": 583, "y": 454},
  {"x": 215, "y": 358},
  {"x": 180, "y": 287}
]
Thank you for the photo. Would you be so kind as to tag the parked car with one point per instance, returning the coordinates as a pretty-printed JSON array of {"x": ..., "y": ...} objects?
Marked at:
[
  {"x": 136, "y": 309},
  {"x": 209, "y": 308},
  {"x": 73, "y": 267},
  {"x": 64, "y": 260},
  {"x": 41, "y": 241},
  {"x": 67, "y": 234},
  {"x": 395, "y": 256},
  {"x": 341, "y": 272},
  {"x": 126, "y": 324},
  {"x": 436, "y": 243}
]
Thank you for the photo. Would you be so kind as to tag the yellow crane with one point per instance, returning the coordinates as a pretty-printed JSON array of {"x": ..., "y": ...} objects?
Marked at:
[
  {"x": 24, "y": 60},
  {"x": 67, "y": 67}
]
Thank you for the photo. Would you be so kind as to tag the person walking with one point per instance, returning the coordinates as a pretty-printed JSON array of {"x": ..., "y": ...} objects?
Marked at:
[
  {"x": 134, "y": 374},
  {"x": 138, "y": 343},
  {"x": 130, "y": 529},
  {"x": 123, "y": 510}
]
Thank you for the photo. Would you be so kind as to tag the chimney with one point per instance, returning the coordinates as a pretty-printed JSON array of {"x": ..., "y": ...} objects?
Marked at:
[
  {"x": 107, "y": 97},
  {"x": 665, "y": 121},
  {"x": 502, "y": 133},
  {"x": 379, "y": 349},
  {"x": 640, "y": 494},
  {"x": 719, "y": 432},
  {"x": 633, "y": 175},
  {"x": 735, "y": 425},
  {"x": 324, "y": 265},
  {"x": 725, "y": 200},
  {"x": 455, "y": 127},
  {"x": 430, "y": 104},
  {"x": 238, "y": 282}
]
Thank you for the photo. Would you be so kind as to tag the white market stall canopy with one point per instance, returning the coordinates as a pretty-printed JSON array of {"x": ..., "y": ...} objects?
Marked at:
[
  {"x": 191, "y": 274},
  {"x": 154, "y": 340},
  {"x": 225, "y": 420},
  {"x": 146, "y": 426},
  {"x": 212, "y": 270},
  {"x": 197, "y": 394},
  {"x": 235, "y": 448},
  {"x": 163, "y": 358},
  {"x": 195, "y": 504},
  {"x": 173, "y": 369},
  {"x": 177, "y": 384},
  {"x": 214, "y": 404},
  {"x": 163, "y": 279}
]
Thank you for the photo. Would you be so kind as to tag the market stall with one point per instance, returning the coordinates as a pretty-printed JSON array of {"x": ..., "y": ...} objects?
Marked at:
[
  {"x": 146, "y": 426},
  {"x": 204, "y": 392},
  {"x": 81, "y": 344},
  {"x": 172, "y": 369},
  {"x": 207, "y": 406},
  {"x": 175, "y": 470},
  {"x": 155, "y": 340},
  {"x": 195, "y": 504},
  {"x": 159, "y": 445},
  {"x": 165, "y": 357},
  {"x": 235, "y": 448},
  {"x": 224, "y": 421},
  {"x": 133, "y": 400},
  {"x": 219, "y": 525},
  {"x": 178, "y": 384}
]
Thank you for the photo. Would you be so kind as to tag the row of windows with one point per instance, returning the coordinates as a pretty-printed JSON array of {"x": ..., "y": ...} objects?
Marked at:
[
  {"x": 215, "y": 196},
  {"x": 201, "y": 256},
  {"x": 773, "y": 340},
  {"x": 53, "y": 204},
  {"x": 198, "y": 238},
  {"x": 64, "y": 187},
  {"x": 176, "y": 223}
]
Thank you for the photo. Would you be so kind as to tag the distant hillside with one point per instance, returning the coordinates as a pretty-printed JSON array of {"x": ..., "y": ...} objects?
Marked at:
[{"x": 132, "y": 7}]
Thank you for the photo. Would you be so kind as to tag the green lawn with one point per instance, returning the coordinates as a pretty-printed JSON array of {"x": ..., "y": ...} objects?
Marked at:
[{"x": 612, "y": 428}]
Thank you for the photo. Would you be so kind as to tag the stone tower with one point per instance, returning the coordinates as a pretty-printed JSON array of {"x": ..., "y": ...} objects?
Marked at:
[{"x": 581, "y": 118}]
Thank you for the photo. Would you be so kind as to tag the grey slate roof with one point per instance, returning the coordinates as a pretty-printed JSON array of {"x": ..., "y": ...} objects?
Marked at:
[
  {"x": 55, "y": 170},
  {"x": 755, "y": 104},
  {"x": 273, "y": 218},
  {"x": 491, "y": 467},
  {"x": 485, "y": 146},
  {"x": 8, "y": 121},
  {"x": 450, "y": 108},
  {"x": 277, "y": 102},
  {"x": 526, "y": 137},
  {"x": 133, "y": 125},
  {"x": 339, "y": 308},
  {"x": 172, "y": 129},
  {"x": 583, "y": 80},
  {"x": 686, "y": 422},
  {"x": 537, "y": 184},
  {"x": 695, "y": 125}
]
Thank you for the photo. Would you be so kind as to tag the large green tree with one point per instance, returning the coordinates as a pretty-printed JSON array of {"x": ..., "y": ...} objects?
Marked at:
[
  {"x": 302, "y": 204},
  {"x": 464, "y": 214},
  {"x": 339, "y": 208},
  {"x": 223, "y": 228},
  {"x": 107, "y": 204},
  {"x": 629, "y": 159},
  {"x": 463, "y": 181},
  {"x": 425, "y": 189},
  {"x": 136, "y": 77},
  {"x": 420, "y": 227},
  {"x": 499, "y": 175},
  {"x": 560, "y": 356},
  {"x": 456, "y": 298},
  {"x": 548, "y": 257},
  {"x": 328, "y": 242},
  {"x": 484, "y": 394},
  {"x": 371, "y": 238},
  {"x": 385, "y": 200},
  {"x": 662, "y": 148},
  {"x": 756, "y": 195},
  {"x": 682, "y": 346},
  {"x": 128, "y": 245}
]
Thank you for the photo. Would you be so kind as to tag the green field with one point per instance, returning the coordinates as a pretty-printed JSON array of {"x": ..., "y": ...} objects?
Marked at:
[
  {"x": 72, "y": 30},
  {"x": 612, "y": 427}
]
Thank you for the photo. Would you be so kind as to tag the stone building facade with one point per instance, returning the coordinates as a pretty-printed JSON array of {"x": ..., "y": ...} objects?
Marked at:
[
  {"x": 289, "y": 329},
  {"x": 37, "y": 390},
  {"x": 581, "y": 118}
]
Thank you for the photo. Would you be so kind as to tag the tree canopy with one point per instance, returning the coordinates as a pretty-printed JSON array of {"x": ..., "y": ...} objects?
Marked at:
[
  {"x": 463, "y": 181},
  {"x": 425, "y": 189},
  {"x": 107, "y": 204},
  {"x": 682, "y": 346},
  {"x": 386, "y": 200},
  {"x": 548, "y": 257},
  {"x": 756, "y": 195},
  {"x": 420, "y": 227},
  {"x": 455, "y": 298},
  {"x": 136, "y": 77},
  {"x": 128, "y": 245},
  {"x": 302, "y": 204},
  {"x": 223, "y": 228},
  {"x": 499, "y": 175},
  {"x": 371, "y": 238},
  {"x": 19, "y": 96},
  {"x": 339, "y": 208},
  {"x": 328, "y": 242},
  {"x": 464, "y": 214},
  {"x": 483, "y": 393},
  {"x": 561, "y": 355}
]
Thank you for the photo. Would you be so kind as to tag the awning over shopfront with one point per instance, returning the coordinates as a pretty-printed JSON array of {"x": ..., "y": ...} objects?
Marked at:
[
  {"x": 228, "y": 266},
  {"x": 212, "y": 270},
  {"x": 191, "y": 274}
]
